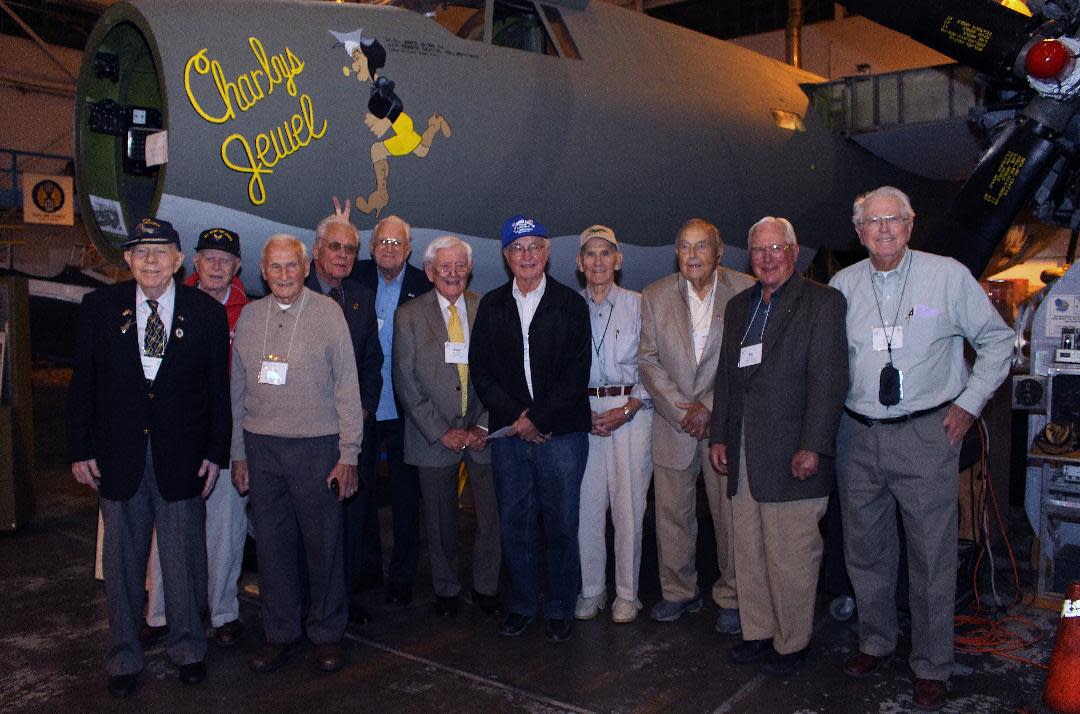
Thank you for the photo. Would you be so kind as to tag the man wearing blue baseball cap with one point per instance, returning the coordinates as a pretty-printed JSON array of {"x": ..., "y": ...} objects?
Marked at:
[
  {"x": 149, "y": 426},
  {"x": 529, "y": 359}
]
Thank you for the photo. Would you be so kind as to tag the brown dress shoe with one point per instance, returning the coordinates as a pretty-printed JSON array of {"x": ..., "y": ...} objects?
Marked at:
[
  {"x": 929, "y": 694},
  {"x": 270, "y": 657},
  {"x": 229, "y": 633},
  {"x": 863, "y": 665},
  {"x": 329, "y": 656}
]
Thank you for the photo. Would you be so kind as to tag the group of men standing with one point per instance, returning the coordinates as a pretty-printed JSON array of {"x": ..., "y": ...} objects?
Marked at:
[{"x": 559, "y": 409}]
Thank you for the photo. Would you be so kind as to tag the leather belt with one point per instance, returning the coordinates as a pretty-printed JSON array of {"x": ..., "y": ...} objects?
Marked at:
[
  {"x": 611, "y": 391},
  {"x": 867, "y": 421}
]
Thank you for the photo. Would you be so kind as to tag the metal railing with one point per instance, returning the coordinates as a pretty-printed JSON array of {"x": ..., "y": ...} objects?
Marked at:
[
  {"x": 871, "y": 102},
  {"x": 14, "y": 163}
]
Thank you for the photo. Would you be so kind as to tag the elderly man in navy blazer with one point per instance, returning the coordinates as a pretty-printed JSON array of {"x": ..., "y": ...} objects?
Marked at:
[
  {"x": 149, "y": 424},
  {"x": 529, "y": 358},
  {"x": 337, "y": 242},
  {"x": 394, "y": 282},
  {"x": 780, "y": 388}
]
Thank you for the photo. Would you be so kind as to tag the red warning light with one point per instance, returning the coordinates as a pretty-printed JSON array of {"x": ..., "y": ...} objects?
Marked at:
[{"x": 1048, "y": 59}]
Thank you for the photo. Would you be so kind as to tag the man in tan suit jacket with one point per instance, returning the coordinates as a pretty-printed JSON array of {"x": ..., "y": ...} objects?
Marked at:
[
  {"x": 442, "y": 429},
  {"x": 681, "y": 333}
]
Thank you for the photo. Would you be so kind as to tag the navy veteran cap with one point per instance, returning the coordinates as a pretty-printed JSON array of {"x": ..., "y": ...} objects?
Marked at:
[
  {"x": 219, "y": 239},
  {"x": 520, "y": 227},
  {"x": 153, "y": 230}
]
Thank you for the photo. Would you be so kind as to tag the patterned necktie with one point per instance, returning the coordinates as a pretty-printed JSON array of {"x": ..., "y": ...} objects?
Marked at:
[
  {"x": 458, "y": 335},
  {"x": 154, "y": 342},
  {"x": 338, "y": 294}
]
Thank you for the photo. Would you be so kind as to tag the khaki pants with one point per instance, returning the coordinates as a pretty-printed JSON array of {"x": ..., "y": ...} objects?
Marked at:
[
  {"x": 778, "y": 551},
  {"x": 676, "y": 529}
]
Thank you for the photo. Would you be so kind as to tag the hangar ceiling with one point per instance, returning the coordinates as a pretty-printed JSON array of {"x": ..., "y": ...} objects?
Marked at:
[{"x": 68, "y": 22}]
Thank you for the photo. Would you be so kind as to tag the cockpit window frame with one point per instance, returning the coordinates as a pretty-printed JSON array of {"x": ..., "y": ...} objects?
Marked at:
[{"x": 562, "y": 40}]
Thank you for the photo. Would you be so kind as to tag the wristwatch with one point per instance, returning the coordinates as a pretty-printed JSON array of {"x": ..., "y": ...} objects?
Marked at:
[{"x": 627, "y": 413}]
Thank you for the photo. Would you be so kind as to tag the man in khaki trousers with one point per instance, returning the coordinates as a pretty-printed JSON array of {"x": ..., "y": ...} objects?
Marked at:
[
  {"x": 780, "y": 388},
  {"x": 681, "y": 332}
]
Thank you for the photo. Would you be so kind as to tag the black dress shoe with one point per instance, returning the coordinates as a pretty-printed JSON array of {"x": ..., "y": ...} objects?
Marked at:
[
  {"x": 359, "y": 615},
  {"x": 150, "y": 634},
  {"x": 228, "y": 634},
  {"x": 488, "y": 604},
  {"x": 783, "y": 665},
  {"x": 193, "y": 673},
  {"x": 446, "y": 606},
  {"x": 558, "y": 629},
  {"x": 122, "y": 685},
  {"x": 399, "y": 594},
  {"x": 749, "y": 651},
  {"x": 515, "y": 624},
  {"x": 270, "y": 656}
]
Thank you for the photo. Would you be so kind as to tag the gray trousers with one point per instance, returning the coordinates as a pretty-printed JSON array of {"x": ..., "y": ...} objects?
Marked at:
[
  {"x": 438, "y": 487},
  {"x": 913, "y": 465},
  {"x": 125, "y": 548},
  {"x": 289, "y": 502}
]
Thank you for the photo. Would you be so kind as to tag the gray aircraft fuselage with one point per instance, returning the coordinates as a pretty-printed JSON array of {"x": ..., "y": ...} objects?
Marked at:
[{"x": 654, "y": 124}]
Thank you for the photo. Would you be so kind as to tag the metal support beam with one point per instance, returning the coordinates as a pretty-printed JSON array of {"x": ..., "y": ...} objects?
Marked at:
[{"x": 42, "y": 45}]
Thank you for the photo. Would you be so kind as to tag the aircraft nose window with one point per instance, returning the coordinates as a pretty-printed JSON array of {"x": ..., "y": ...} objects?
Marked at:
[{"x": 518, "y": 25}]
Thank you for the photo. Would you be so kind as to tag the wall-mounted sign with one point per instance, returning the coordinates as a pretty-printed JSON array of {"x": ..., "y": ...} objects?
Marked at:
[{"x": 48, "y": 199}]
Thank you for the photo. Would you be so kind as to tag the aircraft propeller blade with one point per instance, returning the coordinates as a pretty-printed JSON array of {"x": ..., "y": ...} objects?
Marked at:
[{"x": 1004, "y": 181}]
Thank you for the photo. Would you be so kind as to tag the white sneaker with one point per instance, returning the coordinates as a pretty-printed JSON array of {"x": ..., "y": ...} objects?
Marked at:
[
  {"x": 623, "y": 611},
  {"x": 587, "y": 607}
]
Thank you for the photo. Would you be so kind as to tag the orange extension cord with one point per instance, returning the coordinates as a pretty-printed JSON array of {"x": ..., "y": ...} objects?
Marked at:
[{"x": 978, "y": 634}]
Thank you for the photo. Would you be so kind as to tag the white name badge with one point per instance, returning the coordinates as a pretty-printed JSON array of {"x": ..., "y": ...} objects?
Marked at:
[
  {"x": 150, "y": 366},
  {"x": 273, "y": 372},
  {"x": 456, "y": 352},
  {"x": 750, "y": 355},
  {"x": 700, "y": 338},
  {"x": 882, "y": 336}
]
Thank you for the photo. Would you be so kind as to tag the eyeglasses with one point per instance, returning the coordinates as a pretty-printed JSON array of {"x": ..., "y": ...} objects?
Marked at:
[
  {"x": 879, "y": 221},
  {"x": 775, "y": 250},
  {"x": 533, "y": 248},
  {"x": 390, "y": 242},
  {"x": 455, "y": 269},
  {"x": 349, "y": 248}
]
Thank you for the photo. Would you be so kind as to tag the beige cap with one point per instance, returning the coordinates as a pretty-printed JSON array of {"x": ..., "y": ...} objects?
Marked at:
[{"x": 598, "y": 231}]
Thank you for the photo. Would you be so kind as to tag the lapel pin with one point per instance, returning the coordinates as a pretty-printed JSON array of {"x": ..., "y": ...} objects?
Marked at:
[
  {"x": 179, "y": 332},
  {"x": 356, "y": 306},
  {"x": 126, "y": 313},
  {"x": 126, "y": 326}
]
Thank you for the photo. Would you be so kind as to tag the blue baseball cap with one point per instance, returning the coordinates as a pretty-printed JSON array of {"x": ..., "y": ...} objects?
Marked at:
[
  {"x": 520, "y": 227},
  {"x": 153, "y": 230}
]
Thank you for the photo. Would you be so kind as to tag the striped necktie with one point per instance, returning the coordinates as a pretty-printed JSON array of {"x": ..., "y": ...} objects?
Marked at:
[
  {"x": 154, "y": 341},
  {"x": 457, "y": 334}
]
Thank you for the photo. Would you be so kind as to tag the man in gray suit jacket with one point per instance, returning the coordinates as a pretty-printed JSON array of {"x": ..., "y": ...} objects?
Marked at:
[
  {"x": 445, "y": 423},
  {"x": 681, "y": 331},
  {"x": 780, "y": 388}
]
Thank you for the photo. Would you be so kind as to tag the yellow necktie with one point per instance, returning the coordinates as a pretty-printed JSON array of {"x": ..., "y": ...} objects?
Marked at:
[{"x": 458, "y": 335}]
